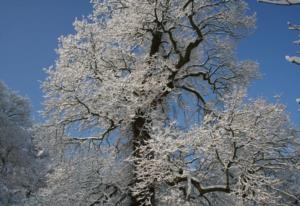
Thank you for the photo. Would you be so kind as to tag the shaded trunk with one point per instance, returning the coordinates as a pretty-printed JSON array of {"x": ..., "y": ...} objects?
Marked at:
[{"x": 140, "y": 138}]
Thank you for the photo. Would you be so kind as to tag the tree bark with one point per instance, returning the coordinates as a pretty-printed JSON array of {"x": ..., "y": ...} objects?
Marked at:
[{"x": 141, "y": 136}]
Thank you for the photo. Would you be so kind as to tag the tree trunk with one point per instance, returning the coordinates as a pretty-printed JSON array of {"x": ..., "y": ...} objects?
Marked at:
[{"x": 140, "y": 138}]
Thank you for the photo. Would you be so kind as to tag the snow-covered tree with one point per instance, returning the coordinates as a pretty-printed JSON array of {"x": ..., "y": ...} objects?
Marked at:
[
  {"x": 19, "y": 174},
  {"x": 130, "y": 71},
  {"x": 14, "y": 107}
]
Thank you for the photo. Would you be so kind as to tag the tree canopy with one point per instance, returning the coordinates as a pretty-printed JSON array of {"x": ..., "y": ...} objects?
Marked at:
[{"x": 157, "y": 87}]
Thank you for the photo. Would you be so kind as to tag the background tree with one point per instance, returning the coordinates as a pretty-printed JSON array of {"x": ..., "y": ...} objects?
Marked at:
[
  {"x": 19, "y": 166},
  {"x": 135, "y": 67}
]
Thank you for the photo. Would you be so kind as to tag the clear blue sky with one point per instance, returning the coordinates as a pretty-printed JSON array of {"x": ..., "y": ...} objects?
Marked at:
[{"x": 29, "y": 32}]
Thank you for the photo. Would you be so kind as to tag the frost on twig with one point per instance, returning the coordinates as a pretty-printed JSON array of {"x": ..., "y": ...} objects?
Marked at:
[{"x": 281, "y": 2}]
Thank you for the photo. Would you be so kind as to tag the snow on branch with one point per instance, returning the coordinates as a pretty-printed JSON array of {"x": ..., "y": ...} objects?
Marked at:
[
  {"x": 281, "y": 2},
  {"x": 244, "y": 142},
  {"x": 293, "y": 59}
]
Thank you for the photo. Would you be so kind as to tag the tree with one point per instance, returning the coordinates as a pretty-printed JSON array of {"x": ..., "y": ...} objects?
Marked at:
[
  {"x": 19, "y": 174},
  {"x": 135, "y": 67}
]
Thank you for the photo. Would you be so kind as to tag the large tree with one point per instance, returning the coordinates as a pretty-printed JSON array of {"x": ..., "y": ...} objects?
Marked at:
[{"x": 135, "y": 67}]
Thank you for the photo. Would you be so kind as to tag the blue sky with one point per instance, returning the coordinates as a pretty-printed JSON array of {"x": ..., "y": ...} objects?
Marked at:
[{"x": 30, "y": 29}]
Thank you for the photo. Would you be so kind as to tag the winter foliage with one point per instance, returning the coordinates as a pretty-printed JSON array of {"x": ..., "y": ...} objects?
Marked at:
[
  {"x": 237, "y": 155},
  {"x": 147, "y": 105}
]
